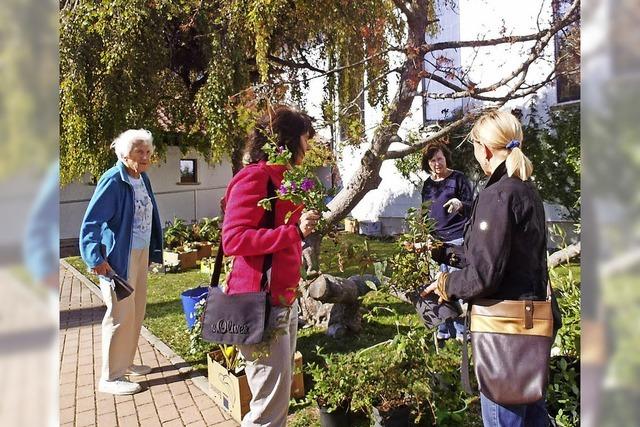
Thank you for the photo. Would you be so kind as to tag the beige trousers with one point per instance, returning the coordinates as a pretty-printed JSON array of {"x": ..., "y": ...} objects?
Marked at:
[{"x": 123, "y": 319}]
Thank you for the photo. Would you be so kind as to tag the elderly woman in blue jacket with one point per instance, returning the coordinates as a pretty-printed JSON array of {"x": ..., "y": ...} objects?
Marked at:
[{"x": 121, "y": 232}]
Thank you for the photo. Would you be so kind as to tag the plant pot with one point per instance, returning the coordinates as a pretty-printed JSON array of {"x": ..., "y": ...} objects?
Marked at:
[
  {"x": 185, "y": 259},
  {"x": 337, "y": 418},
  {"x": 204, "y": 250},
  {"x": 395, "y": 417}
]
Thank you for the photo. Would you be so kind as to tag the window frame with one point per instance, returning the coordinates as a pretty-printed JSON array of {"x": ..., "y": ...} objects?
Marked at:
[{"x": 194, "y": 180}]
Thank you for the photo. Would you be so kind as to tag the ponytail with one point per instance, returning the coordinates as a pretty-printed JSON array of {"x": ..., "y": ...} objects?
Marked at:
[
  {"x": 500, "y": 130},
  {"x": 518, "y": 164}
]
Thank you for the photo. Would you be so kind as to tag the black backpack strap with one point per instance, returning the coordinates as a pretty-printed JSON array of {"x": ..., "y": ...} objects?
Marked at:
[{"x": 270, "y": 217}]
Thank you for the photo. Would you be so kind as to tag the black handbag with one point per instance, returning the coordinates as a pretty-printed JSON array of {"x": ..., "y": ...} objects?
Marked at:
[
  {"x": 239, "y": 318},
  {"x": 121, "y": 287}
]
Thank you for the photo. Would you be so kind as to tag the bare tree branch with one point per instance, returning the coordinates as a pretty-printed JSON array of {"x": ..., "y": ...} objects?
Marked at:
[
  {"x": 536, "y": 51},
  {"x": 398, "y": 154},
  {"x": 323, "y": 73},
  {"x": 293, "y": 64},
  {"x": 571, "y": 16}
]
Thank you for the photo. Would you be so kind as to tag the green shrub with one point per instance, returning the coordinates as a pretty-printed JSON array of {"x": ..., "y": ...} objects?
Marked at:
[
  {"x": 563, "y": 394},
  {"x": 176, "y": 234},
  {"x": 405, "y": 370},
  {"x": 207, "y": 230}
]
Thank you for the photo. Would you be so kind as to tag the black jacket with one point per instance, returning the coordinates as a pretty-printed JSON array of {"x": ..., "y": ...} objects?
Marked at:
[{"x": 504, "y": 255}]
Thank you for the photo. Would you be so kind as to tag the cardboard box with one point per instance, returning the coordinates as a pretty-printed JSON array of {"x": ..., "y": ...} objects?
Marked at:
[
  {"x": 351, "y": 225},
  {"x": 204, "y": 250},
  {"x": 231, "y": 392},
  {"x": 297, "y": 382},
  {"x": 185, "y": 259}
]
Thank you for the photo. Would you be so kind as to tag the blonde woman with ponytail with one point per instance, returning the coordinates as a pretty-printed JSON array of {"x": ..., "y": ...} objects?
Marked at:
[{"x": 504, "y": 254}]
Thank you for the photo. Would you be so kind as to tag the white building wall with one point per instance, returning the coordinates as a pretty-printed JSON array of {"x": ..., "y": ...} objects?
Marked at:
[{"x": 187, "y": 201}]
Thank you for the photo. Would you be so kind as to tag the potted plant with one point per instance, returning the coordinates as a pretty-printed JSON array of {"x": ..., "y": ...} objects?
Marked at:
[
  {"x": 210, "y": 229},
  {"x": 205, "y": 234},
  {"x": 177, "y": 249},
  {"x": 186, "y": 256},
  {"x": 382, "y": 388},
  {"x": 404, "y": 381},
  {"x": 333, "y": 387},
  {"x": 176, "y": 233}
]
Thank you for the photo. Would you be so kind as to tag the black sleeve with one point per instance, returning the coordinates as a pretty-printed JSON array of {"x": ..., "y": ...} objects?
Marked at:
[
  {"x": 465, "y": 193},
  {"x": 487, "y": 249}
]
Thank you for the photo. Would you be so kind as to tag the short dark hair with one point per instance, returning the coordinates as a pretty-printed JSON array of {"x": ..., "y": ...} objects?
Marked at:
[
  {"x": 431, "y": 150},
  {"x": 284, "y": 123}
]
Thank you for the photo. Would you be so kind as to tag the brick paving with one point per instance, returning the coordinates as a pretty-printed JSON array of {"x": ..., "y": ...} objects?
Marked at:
[{"x": 169, "y": 397}]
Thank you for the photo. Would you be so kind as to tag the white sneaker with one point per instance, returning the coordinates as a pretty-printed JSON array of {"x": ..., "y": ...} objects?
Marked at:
[
  {"x": 138, "y": 370},
  {"x": 119, "y": 386}
]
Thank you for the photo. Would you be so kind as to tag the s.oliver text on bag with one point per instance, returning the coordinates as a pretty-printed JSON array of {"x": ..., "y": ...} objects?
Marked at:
[{"x": 228, "y": 327}]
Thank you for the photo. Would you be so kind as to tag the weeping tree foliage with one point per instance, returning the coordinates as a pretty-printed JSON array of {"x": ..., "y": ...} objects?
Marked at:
[{"x": 197, "y": 73}]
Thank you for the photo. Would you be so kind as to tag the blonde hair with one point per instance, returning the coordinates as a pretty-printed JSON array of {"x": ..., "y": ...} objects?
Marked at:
[
  {"x": 124, "y": 143},
  {"x": 500, "y": 130}
]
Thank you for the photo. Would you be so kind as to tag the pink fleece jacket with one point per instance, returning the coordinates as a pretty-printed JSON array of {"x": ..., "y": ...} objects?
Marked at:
[{"x": 244, "y": 237}]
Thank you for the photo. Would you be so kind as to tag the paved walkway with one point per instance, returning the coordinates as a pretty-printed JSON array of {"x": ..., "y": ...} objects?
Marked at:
[{"x": 170, "y": 397}]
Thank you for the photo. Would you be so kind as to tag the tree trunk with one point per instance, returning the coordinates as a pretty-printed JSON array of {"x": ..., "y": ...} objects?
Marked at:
[
  {"x": 333, "y": 302},
  {"x": 327, "y": 288},
  {"x": 564, "y": 255},
  {"x": 313, "y": 312}
]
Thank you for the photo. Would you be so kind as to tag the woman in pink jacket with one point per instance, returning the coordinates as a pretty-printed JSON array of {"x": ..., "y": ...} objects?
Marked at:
[{"x": 247, "y": 238}]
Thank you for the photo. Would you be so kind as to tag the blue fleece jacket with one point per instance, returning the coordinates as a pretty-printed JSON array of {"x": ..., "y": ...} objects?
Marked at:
[{"x": 108, "y": 222}]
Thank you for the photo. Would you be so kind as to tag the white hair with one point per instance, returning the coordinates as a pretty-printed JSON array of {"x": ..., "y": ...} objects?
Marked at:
[{"x": 124, "y": 143}]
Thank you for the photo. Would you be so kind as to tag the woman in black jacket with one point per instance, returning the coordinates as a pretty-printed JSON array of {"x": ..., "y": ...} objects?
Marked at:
[{"x": 504, "y": 253}]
